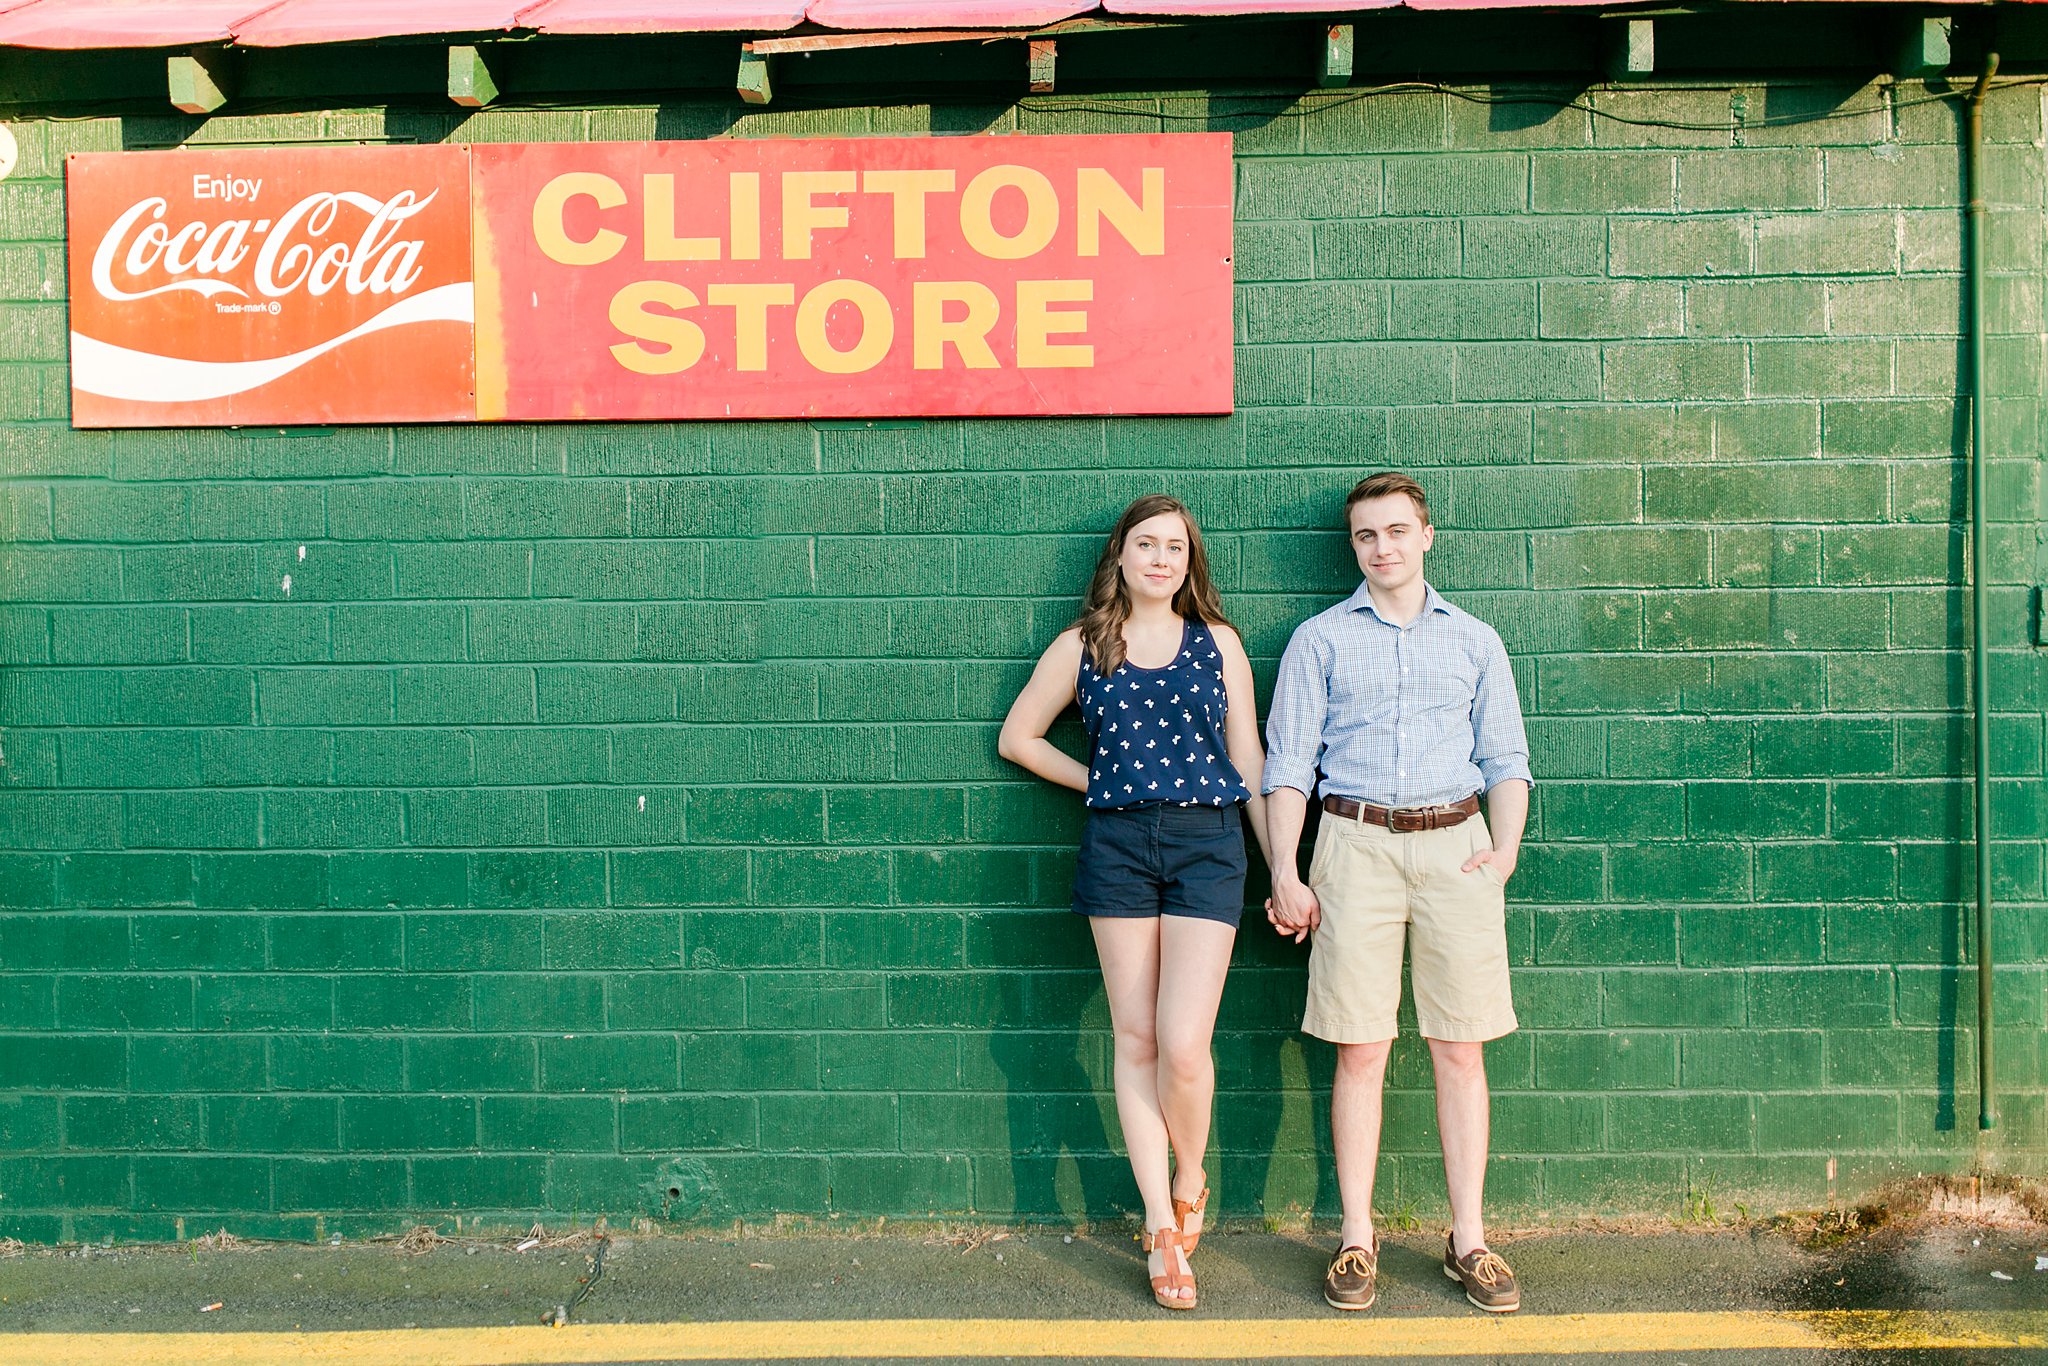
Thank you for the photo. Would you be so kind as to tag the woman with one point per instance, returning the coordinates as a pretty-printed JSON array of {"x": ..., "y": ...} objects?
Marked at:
[{"x": 1165, "y": 693}]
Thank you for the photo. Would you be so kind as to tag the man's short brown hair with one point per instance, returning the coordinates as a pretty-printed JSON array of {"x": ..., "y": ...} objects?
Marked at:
[{"x": 1384, "y": 483}]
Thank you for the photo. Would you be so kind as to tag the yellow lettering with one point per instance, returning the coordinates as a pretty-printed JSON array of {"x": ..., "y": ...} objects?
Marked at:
[
  {"x": 801, "y": 218},
  {"x": 933, "y": 331},
  {"x": 1041, "y": 213},
  {"x": 659, "y": 241},
  {"x": 1036, "y": 321},
  {"x": 1098, "y": 196},
  {"x": 908, "y": 189},
  {"x": 877, "y": 327},
  {"x": 750, "y": 305},
  {"x": 681, "y": 340},
  {"x": 552, "y": 237},
  {"x": 745, "y": 187}
]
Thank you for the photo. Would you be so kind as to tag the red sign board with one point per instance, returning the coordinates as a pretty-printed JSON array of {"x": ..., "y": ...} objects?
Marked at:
[
  {"x": 847, "y": 278},
  {"x": 267, "y": 286},
  {"x": 758, "y": 279}
]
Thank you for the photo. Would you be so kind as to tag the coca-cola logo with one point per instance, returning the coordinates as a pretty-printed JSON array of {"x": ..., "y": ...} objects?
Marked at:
[{"x": 311, "y": 247}]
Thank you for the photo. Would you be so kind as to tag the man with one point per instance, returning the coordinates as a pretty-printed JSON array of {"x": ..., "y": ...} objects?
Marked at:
[{"x": 1406, "y": 707}]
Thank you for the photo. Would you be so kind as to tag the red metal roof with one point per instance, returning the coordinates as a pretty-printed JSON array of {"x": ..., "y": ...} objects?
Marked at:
[
  {"x": 1198, "y": 8},
  {"x": 284, "y": 23},
  {"x": 663, "y": 16},
  {"x": 912, "y": 14},
  {"x": 124, "y": 23},
  {"x": 1503, "y": 4},
  {"x": 295, "y": 22}
]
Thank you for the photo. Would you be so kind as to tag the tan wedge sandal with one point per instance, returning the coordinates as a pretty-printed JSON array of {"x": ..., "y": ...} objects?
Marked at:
[
  {"x": 1181, "y": 1210},
  {"x": 1167, "y": 1239}
]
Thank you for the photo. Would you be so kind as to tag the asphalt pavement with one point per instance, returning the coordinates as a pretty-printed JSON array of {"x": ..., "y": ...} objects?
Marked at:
[{"x": 1949, "y": 1292}]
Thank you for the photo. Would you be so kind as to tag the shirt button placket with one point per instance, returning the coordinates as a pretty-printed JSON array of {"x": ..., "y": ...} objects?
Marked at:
[{"x": 1400, "y": 716}]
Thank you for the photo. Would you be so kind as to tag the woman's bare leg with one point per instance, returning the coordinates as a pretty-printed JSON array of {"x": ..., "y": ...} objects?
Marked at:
[
  {"x": 1194, "y": 956},
  {"x": 1129, "y": 950}
]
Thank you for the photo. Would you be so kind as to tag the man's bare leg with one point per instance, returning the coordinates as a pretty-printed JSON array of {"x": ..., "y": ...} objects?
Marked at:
[
  {"x": 1355, "y": 1107},
  {"x": 1461, "y": 1118}
]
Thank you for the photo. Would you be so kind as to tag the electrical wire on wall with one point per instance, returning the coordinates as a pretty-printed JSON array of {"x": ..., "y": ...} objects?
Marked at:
[
  {"x": 1310, "y": 103},
  {"x": 1285, "y": 103}
]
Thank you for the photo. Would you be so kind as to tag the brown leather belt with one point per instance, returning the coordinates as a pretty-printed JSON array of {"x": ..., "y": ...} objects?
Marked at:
[{"x": 1407, "y": 818}]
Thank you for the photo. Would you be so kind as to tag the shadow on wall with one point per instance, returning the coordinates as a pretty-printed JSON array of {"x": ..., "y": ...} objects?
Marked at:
[{"x": 1062, "y": 1155}]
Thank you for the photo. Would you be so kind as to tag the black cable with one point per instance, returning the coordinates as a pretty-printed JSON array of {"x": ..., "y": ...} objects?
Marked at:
[
  {"x": 1307, "y": 104},
  {"x": 1313, "y": 102},
  {"x": 1294, "y": 105},
  {"x": 589, "y": 1282}
]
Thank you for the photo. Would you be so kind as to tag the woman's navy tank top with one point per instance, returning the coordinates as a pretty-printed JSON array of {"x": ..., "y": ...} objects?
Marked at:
[{"x": 1156, "y": 735}]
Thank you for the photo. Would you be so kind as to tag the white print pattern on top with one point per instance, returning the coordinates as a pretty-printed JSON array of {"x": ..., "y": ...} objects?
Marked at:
[{"x": 1190, "y": 737}]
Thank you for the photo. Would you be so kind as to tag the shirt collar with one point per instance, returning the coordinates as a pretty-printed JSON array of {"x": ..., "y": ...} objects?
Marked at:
[{"x": 1362, "y": 599}]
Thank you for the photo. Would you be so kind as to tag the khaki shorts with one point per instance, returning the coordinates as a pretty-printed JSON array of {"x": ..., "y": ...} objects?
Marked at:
[{"x": 1374, "y": 885}]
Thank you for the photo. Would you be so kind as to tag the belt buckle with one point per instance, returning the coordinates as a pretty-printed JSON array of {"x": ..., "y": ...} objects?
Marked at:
[{"x": 1407, "y": 822}]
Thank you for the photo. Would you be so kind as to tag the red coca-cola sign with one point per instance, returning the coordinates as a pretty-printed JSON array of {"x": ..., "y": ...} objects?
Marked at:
[{"x": 271, "y": 286}]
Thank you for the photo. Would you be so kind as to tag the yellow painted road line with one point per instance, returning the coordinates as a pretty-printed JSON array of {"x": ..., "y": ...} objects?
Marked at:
[{"x": 1188, "y": 1340}]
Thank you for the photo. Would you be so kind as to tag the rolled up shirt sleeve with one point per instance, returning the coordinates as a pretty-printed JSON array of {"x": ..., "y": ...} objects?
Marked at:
[
  {"x": 1500, "y": 744},
  {"x": 1301, "y": 703}
]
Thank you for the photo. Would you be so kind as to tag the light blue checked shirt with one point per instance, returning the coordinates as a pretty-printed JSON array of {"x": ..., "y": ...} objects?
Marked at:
[{"x": 1414, "y": 715}]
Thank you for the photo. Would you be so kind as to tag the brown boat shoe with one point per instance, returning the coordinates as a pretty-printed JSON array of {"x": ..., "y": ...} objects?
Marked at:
[
  {"x": 1488, "y": 1283},
  {"x": 1350, "y": 1282}
]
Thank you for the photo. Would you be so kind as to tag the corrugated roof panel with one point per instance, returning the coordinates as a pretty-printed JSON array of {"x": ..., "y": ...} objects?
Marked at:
[
  {"x": 281, "y": 23},
  {"x": 943, "y": 14},
  {"x": 663, "y": 16},
  {"x": 124, "y": 23},
  {"x": 295, "y": 22},
  {"x": 1199, "y": 8},
  {"x": 1503, "y": 4}
]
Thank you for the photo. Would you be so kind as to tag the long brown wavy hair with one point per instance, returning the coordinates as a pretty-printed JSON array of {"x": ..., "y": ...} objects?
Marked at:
[{"x": 1108, "y": 604}]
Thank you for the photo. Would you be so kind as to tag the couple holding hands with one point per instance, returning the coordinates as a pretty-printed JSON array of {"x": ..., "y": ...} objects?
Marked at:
[{"x": 1399, "y": 710}]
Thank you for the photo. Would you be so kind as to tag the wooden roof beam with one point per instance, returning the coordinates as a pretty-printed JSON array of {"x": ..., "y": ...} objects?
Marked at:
[
  {"x": 1334, "y": 61},
  {"x": 1630, "y": 48},
  {"x": 470, "y": 82},
  {"x": 1924, "y": 47},
  {"x": 201, "y": 81},
  {"x": 1042, "y": 54},
  {"x": 755, "y": 82}
]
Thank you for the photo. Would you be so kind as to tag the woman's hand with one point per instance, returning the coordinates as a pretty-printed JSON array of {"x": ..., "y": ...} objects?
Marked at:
[{"x": 1293, "y": 908}]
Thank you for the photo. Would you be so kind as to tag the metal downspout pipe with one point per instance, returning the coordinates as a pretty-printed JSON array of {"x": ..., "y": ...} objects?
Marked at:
[{"x": 1987, "y": 1111}]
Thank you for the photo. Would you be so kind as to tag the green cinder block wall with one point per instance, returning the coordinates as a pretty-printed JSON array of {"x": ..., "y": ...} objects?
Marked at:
[{"x": 608, "y": 819}]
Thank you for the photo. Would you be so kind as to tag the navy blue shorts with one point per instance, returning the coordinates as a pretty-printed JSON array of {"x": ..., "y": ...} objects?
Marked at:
[{"x": 1162, "y": 860}]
